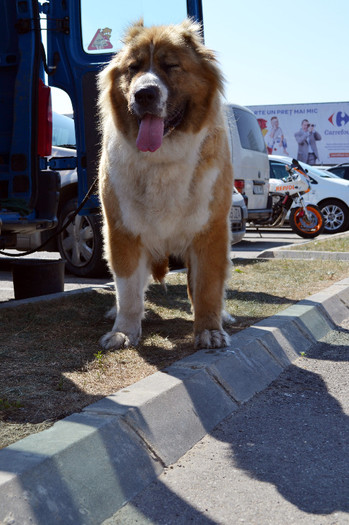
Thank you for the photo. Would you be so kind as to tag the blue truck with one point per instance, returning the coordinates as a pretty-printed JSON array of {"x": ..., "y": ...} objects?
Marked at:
[{"x": 61, "y": 44}]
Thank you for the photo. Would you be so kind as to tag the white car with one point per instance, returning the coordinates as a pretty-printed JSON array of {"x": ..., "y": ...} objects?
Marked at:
[
  {"x": 238, "y": 217},
  {"x": 330, "y": 193}
]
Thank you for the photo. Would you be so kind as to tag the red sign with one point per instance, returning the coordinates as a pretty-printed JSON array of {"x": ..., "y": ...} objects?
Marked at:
[{"x": 101, "y": 40}]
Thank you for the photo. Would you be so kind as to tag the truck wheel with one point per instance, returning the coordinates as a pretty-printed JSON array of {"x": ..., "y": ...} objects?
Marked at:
[
  {"x": 80, "y": 244},
  {"x": 336, "y": 216}
]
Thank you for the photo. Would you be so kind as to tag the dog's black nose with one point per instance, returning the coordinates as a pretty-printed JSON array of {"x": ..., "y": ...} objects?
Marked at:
[{"x": 147, "y": 96}]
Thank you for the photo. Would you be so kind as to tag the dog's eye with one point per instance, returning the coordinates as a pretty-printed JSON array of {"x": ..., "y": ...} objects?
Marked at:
[
  {"x": 134, "y": 68},
  {"x": 170, "y": 67}
]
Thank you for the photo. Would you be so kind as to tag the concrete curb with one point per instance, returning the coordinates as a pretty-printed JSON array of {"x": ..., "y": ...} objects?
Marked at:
[
  {"x": 85, "y": 467},
  {"x": 52, "y": 296}
]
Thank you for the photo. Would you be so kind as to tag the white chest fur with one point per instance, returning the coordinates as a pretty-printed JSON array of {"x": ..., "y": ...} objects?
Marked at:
[{"x": 160, "y": 195}]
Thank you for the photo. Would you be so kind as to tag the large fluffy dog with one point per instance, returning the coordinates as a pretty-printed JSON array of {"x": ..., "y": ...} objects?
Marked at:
[{"x": 165, "y": 175}]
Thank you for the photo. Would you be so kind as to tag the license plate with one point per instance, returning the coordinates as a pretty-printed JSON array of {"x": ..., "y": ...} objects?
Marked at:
[
  {"x": 258, "y": 190},
  {"x": 235, "y": 213}
]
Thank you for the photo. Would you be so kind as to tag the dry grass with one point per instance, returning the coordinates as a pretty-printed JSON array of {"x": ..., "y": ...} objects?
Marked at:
[
  {"x": 51, "y": 364},
  {"x": 337, "y": 244}
]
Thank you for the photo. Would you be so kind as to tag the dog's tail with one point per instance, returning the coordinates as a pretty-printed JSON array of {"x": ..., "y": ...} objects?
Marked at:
[{"x": 159, "y": 269}]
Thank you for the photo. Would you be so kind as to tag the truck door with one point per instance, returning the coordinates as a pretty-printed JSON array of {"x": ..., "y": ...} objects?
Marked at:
[
  {"x": 28, "y": 193},
  {"x": 82, "y": 35}
]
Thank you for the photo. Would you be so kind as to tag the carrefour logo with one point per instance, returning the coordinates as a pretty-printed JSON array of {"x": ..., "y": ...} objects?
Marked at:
[{"x": 339, "y": 119}]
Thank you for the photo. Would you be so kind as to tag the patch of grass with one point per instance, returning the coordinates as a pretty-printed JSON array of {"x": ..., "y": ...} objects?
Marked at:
[
  {"x": 8, "y": 406},
  {"x": 51, "y": 363},
  {"x": 337, "y": 244}
]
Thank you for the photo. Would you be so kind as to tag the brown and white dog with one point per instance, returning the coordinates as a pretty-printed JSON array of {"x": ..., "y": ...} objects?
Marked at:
[{"x": 165, "y": 175}]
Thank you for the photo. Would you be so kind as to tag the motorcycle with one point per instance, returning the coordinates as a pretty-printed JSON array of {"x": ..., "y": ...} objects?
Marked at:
[{"x": 305, "y": 219}]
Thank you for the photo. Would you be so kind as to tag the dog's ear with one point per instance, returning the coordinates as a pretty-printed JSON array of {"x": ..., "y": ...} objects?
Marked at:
[
  {"x": 192, "y": 33},
  {"x": 133, "y": 31}
]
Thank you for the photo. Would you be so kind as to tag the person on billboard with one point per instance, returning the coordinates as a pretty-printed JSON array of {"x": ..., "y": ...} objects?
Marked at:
[
  {"x": 306, "y": 138},
  {"x": 275, "y": 140}
]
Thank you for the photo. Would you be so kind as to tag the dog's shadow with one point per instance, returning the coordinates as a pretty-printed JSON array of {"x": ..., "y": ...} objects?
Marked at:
[
  {"x": 173, "y": 296},
  {"x": 168, "y": 325}
]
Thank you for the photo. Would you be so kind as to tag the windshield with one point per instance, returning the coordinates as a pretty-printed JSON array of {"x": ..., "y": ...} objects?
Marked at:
[
  {"x": 320, "y": 173},
  {"x": 329, "y": 175},
  {"x": 104, "y": 22},
  {"x": 63, "y": 131}
]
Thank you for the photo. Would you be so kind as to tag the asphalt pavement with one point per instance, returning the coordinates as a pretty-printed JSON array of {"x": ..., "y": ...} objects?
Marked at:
[{"x": 282, "y": 458}]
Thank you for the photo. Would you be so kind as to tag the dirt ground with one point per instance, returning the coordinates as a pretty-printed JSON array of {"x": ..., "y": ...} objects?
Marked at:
[{"x": 51, "y": 364}]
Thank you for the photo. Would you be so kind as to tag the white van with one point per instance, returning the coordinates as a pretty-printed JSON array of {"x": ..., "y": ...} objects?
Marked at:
[{"x": 250, "y": 160}]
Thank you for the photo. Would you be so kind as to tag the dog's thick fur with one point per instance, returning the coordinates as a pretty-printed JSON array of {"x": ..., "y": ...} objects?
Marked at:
[{"x": 167, "y": 189}]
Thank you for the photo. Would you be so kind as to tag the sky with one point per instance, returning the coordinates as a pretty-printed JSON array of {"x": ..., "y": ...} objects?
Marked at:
[{"x": 270, "y": 52}]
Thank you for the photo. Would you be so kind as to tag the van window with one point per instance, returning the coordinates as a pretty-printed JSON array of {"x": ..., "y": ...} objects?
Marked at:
[
  {"x": 104, "y": 22},
  {"x": 63, "y": 131},
  {"x": 249, "y": 131}
]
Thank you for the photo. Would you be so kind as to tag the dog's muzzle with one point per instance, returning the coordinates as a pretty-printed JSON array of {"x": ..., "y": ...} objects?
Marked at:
[{"x": 149, "y": 105}]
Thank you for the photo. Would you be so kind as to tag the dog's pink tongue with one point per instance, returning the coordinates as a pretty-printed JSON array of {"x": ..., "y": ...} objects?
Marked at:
[{"x": 151, "y": 131}]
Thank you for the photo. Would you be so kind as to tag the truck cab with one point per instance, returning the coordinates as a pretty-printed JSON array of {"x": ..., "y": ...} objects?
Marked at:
[{"x": 61, "y": 44}]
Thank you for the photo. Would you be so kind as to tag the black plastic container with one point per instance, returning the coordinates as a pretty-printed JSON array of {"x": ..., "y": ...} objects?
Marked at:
[{"x": 35, "y": 277}]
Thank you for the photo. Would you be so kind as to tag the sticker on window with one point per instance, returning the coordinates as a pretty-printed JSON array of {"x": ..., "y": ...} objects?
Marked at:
[{"x": 101, "y": 40}]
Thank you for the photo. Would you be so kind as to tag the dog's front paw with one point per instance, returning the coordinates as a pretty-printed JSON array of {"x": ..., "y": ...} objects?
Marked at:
[
  {"x": 117, "y": 340},
  {"x": 212, "y": 339}
]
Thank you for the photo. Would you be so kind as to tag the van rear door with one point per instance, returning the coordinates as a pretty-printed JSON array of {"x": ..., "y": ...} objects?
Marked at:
[
  {"x": 25, "y": 125},
  {"x": 250, "y": 160},
  {"x": 81, "y": 37}
]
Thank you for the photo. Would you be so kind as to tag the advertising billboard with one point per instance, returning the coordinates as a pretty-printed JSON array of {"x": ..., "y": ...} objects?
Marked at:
[{"x": 312, "y": 133}]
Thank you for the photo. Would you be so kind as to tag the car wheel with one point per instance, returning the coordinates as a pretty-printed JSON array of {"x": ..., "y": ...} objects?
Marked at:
[
  {"x": 336, "y": 216},
  {"x": 80, "y": 244}
]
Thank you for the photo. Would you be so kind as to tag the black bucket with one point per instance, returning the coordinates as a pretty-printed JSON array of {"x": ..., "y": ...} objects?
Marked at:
[{"x": 34, "y": 277}]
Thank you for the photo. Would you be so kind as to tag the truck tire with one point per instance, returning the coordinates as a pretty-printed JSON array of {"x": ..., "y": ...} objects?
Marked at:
[{"x": 80, "y": 244}]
